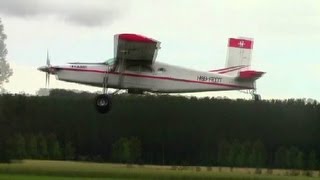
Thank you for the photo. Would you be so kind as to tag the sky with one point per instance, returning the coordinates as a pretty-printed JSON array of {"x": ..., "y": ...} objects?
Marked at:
[{"x": 193, "y": 34}]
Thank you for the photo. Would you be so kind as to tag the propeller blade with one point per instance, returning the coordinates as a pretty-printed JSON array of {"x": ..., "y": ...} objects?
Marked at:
[
  {"x": 48, "y": 80},
  {"x": 47, "y": 74},
  {"x": 48, "y": 70},
  {"x": 48, "y": 59},
  {"x": 45, "y": 84}
]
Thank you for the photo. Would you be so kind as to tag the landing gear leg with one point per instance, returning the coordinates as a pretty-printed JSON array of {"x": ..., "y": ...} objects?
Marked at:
[
  {"x": 255, "y": 96},
  {"x": 103, "y": 101},
  {"x": 253, "y": 92}
]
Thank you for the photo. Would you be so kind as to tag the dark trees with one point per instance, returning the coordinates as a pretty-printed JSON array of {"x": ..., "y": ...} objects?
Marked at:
[{"x": 167, "y": 130}]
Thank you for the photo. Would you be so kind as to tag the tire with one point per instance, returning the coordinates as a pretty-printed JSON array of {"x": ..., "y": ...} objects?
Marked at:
[
  {"x": 256, "y": 97},
  {"x": 103, "y": 103}
]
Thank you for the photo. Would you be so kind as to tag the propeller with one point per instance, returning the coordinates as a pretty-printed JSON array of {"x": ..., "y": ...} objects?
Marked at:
[{"x": 48, "y": 69}]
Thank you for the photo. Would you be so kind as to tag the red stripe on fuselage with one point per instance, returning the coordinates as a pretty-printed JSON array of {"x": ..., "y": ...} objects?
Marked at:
[{"x": 157, "y": 77}]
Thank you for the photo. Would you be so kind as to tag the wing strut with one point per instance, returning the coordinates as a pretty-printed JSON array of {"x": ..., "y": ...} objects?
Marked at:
[
  {"x": 105, "y": 81},
  {"x": 122, "y": 65}
]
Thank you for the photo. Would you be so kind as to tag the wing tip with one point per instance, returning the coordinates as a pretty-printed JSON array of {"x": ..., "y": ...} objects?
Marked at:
[{"x": 136, "y": 38}]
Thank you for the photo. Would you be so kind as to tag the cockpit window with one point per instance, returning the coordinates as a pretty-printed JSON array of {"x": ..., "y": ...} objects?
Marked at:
[{"x": 110, "y": 61}]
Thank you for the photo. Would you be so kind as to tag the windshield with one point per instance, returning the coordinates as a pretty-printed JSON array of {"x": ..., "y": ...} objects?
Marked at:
[{"x": 110, "y": 61}]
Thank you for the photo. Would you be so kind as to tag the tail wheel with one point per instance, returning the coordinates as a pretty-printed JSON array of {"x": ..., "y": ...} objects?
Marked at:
[
  {"x": 103, "y": 103},
  {"x": 256, "y": 97}
]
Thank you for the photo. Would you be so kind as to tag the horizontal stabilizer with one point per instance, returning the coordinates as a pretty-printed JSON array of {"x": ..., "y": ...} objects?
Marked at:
[{"x": 249, "y": 75}]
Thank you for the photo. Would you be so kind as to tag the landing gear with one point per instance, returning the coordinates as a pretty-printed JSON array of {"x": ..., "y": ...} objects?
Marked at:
[
  {"x": 256, "y": 97},
  {"x": 103, "y": 103},
  {"x": 253, "y": 93}
]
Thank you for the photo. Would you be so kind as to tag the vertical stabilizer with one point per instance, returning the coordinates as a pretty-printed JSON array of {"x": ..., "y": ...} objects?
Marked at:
[{"x": 239, "y": 55}]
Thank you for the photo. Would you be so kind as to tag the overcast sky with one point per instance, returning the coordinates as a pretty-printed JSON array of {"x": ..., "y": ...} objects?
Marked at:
[{"x": 193, "y": 34}]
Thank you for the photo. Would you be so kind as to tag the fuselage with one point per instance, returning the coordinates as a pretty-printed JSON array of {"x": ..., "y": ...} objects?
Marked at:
[{"x": 159, "y": 77}]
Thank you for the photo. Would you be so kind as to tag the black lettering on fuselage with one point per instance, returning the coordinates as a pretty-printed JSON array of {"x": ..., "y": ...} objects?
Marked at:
[
  {"x": 78, "y": 66},
  {"x": 209, "y": 79}
]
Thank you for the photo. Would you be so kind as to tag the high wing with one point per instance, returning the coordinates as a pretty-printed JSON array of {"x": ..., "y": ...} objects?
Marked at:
[{"x": 135, "y": 49}]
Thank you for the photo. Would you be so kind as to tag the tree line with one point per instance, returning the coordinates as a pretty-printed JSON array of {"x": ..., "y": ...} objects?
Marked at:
[
  {"x": 37, "y": 147},
  {"x": 172, "y": 130},
  {"x": 247, "y": 154}
]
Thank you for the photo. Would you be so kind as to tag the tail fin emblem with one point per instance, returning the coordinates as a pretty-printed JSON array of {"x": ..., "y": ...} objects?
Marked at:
[{"x": 241, "y": 43}]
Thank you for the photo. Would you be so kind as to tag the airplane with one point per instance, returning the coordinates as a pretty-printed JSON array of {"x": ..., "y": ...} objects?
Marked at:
[{"x": 135, "y": 69}]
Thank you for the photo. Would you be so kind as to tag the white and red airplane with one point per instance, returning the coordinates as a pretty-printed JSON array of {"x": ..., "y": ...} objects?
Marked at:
[{"x": 134, "y": 68}]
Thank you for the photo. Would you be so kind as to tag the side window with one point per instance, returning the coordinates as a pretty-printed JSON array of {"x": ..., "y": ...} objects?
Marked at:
[
  {"x": 133, "y": 68},
  {"x": 146, "y": 69},
  {"x": 139, "y": 68},
  {"x": 161, "y": 70}
]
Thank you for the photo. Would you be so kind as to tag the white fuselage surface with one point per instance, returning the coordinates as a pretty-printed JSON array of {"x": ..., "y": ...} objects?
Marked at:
[{"x": 159, "y": 77}]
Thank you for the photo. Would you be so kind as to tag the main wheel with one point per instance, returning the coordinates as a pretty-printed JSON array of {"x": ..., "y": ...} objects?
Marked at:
[{"x": 103, "y": 103}]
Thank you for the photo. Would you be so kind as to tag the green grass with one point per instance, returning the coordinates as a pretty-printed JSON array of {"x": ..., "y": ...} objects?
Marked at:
[
  {"x": 36, "y": 177},
  {"x": 39, "y": 169}
]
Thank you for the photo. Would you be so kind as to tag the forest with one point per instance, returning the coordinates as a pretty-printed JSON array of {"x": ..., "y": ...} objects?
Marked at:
[{"x": 161, "y": 129}]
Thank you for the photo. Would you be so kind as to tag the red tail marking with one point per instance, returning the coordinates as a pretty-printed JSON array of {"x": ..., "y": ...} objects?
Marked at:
[
  {"x": 136, "y": 38},
  {"x": 240, "y": 43}
]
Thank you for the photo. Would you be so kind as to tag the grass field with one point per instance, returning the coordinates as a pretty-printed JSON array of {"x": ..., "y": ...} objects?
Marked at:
[{"x": 56, "y": 170}]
